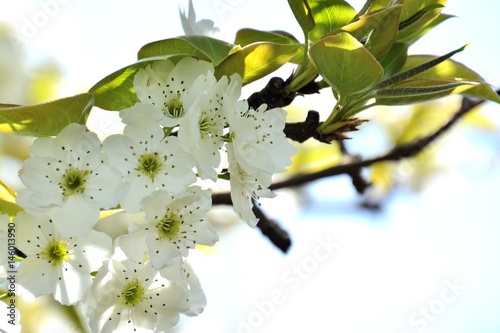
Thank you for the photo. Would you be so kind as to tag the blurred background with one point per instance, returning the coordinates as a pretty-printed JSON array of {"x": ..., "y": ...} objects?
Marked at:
[{"x": 418, "y": 253}]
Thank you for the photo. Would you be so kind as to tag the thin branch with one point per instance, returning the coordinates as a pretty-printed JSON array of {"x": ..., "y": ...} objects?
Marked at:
[
  {"x": 272, "y": 230},
  {"x": 398, "y": 153}
]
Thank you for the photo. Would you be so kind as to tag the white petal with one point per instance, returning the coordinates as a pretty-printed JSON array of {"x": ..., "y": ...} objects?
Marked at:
[
  {"x": 35, "y": 275},
  {"x": 76, "y": 217},
  {"x": 134, "y": 245},
  {"x": 74, "y": 281}
]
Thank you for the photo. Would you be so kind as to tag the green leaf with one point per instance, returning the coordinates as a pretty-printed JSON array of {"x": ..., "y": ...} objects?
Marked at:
[
  {"x": 116, "y": 91},
  {"x": 412, "y": 71},
  {"x": 385, "y": 33},
  {"x": 303, "y": 15},
  {"x": 450, "y": 69},
  {"x": 46, "y": 119},
  {"x": 245, "y": 37},
  {"x": 200, "y": 47},
  {"x": 256, "y": 60},
  {"x": 249, "y": 36},
  {"x": 434, "y": 23},
  {"x": 363, "y": 27},
  {"x": 9, "y": 208},
  {"x": 416, "y": 16},
  {"x": 329, "y": 15},
  {"x": 380, "y": 4},
  {"x": 395, "y": 59},
  {"x": 421, "y": 90},
  {"x": 345, "y": 64}
]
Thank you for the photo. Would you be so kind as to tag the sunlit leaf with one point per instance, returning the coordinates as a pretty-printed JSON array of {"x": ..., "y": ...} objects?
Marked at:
[
  {"x": 345, "y": 64},
  {"x": 416, "y": 16},
  {"x": 9, "y": 208},
  {"x": 363, "y": 27},
  {"x": 116, "y": 91},
  {"x": 46, "y": 119},
  {"x": 408, "y": 71},
  {"x": 6, "y": 190},
  {"x": 395, "y": 59},
  {"x": 421, "y": 90},
  {"x": 256, "y": 60},
  {"x": 384, "y": 34},
  {"x": 434, "y": 23},
  {"x": 200, "y": 47},
  {"x": 329, "y": 15},
  {"x": 451, "y": 69},
  {"x": 302, "y": 13},
  {"x": 245, "y": 37}
]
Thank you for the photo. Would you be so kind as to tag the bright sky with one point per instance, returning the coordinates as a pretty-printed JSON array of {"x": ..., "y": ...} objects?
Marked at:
[{"x": 386, "y": 268}]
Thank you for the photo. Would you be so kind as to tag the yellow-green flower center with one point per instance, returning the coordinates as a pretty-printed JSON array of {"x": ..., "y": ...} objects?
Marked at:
[
  {"x": 133, "y": 293},
  {"x": 169, "y": 226},
  {"x": 174, "y": 107},
  {"x": 74, "y": 181},
  {"x": 150, "y": 165},
  {"x": 56, "y": 252}
]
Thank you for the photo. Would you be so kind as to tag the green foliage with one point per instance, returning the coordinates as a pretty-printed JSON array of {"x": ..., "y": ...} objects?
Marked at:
[
  {"x": 245, "y": 37},
  {"x": 116, "y": 91},
  {"x": 338, "y": 59},
  {"x": 200, "y": 47},
  {"x": 9, "y": 208},
  {"x": 329, "y": 15},
  {"x": 360, "y": 56},
  {"x": 256, "y": 60},
  {"x": 303, "y": 14},
  {"x": 46, "y": 119}
]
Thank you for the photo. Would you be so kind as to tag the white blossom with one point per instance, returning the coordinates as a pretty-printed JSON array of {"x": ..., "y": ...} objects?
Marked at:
[
  {"x": 201, "y": 130},
  {"x": 259, "y": 140},
  {"x": 148, "y": 161},
  {"x": 174, "y": 224},
  {"x": 69, "y": 166},
  {"x": 57, "y": 264},
  {"x": 192, "y": 27},
  {"x": 127, "y": 297},
  {"x": 165, "y": 86},
  {"x": 183, "y": 274},
  {"x": 247, "y": 188},
  {"x": 258, "y": 149}
]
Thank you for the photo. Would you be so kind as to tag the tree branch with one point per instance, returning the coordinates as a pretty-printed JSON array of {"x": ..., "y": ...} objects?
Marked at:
[{"x": 397, "y": 153}]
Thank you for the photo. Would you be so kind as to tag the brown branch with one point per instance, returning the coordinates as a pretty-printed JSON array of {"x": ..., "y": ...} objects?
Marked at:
[
  {"x": 397, "y": 153},
  {"x": 272, "y": 230}
]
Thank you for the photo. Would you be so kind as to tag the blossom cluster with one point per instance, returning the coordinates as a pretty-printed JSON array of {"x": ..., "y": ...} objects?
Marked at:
[{"x": 185, "y": 120}]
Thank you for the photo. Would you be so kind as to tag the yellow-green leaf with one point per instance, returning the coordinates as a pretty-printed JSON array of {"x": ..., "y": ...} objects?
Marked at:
[
  {"x": 9, "y": 208},
  {"x": 116, "y": 91},
  {"x": 248, "y": 36},
  {"x": 302, "y": 13},
  {"x": 329, "y": 15},
  {"x": 450, "y": 69},
  {"x": 421, "y": 90},
  {"x": 256, "y": 60},
  {"x": 200, "y": 47},
  {"x": 345, "y": 64},
  {"x": 418, "y": 14},
  {"x": 46, "y": 119}
]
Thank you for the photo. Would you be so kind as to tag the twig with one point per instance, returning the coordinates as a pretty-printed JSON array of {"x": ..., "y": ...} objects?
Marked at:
[
  {"x": 398, "y": 153},
  {"x": 272, "y": 230}
]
